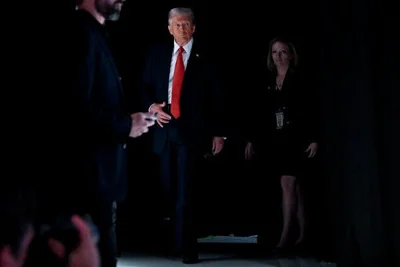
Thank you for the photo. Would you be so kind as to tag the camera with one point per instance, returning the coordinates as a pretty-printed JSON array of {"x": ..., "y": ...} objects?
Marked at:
[{"x": 62, "y": 230}]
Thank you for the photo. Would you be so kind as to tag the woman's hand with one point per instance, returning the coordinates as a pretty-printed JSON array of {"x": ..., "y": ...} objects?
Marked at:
[
  {"x": 312, "y": 150},
  {"x": 249, "y": 151}
]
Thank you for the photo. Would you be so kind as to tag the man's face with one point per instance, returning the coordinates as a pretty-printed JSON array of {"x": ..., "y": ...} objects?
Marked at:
[
  {"x": 182, "y": 28},
  {"x": 110, "y": 9}
]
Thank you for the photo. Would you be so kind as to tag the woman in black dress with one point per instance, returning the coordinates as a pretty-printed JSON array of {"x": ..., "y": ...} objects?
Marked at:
[{"x": 288, "y": 136}]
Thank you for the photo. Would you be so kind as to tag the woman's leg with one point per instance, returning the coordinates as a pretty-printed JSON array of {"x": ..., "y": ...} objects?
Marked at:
[
  {"x": 300, "y": 214},
  {"x": 288, "y": 185}
]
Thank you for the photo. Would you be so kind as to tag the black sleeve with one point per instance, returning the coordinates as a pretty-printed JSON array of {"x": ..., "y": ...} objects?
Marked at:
[
  {"x": 146, "y": 89},
  {"x": 98, "y": 123},
  {"x": 218, "y": 119},
  {"x": 310, "y": 108}
]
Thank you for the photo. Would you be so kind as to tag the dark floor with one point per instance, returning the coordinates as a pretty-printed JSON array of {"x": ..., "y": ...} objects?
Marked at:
[
  {"x": 223, "y": 251},
  {"x": 218, "y": 259}
]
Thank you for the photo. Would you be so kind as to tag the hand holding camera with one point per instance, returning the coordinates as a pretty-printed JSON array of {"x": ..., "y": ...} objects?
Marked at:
[
  {"x": 85, "y": 253},
  {"x": 69, "y": 242}
]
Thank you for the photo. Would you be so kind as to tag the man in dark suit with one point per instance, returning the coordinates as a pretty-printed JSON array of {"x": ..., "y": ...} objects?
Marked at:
[
  {"x": 97, "y": 126},
  {"x": 181, "y": 86}
]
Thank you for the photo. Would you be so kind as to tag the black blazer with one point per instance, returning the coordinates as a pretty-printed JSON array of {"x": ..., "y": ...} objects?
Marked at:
[
  {"x": 97, "y": 122},
  {"x": 301, "y": 102},
  {"x": 202, "y": 107}
]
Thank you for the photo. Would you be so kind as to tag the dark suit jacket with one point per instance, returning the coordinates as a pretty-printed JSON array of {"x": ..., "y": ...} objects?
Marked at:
[
  {"x": 97, "y": 123},
  {"x": 301, "y": 103},
  {"x": 202, "y": 105}
]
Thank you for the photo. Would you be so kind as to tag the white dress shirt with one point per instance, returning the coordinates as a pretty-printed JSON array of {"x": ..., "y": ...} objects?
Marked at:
[{"x": 185, "y": 55}]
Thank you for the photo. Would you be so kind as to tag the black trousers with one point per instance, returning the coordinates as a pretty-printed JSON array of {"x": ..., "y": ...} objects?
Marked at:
[
  {"x": 179, "y": 168},
  {"x": 104, "y": 217}
]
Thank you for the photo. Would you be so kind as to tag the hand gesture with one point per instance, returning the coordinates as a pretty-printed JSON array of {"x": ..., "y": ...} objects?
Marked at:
[
  {"x": 141, "y": 122},
  {"x": 162, "y": 117},
  {"x": 312, "y": 150},
  {"x": 217, "y": 145}
]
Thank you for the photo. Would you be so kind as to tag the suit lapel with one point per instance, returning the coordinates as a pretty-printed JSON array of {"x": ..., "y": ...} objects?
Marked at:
[
  {"x": 191, "y": 66},
  {"x": 165, "y": 67}
]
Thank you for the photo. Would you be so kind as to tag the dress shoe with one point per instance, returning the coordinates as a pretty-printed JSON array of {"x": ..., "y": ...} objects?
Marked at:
[
  {"x": 300, "y": 250},
  {"x": 283, "y": 252},
  {"x": 190, "y": 259}
]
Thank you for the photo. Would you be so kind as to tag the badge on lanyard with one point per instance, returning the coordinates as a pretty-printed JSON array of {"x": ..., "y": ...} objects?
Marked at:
[{"x": 280, "y": 117}]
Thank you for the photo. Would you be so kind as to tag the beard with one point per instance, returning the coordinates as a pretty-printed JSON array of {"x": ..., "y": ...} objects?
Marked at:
[
  {"x": 113, "y": 16},
  {"x": 110, "y": 12}
]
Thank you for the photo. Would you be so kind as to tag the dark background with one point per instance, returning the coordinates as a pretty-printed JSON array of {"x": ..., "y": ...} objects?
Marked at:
[
  {"x": 351, "y": 50},
  {"x": 237, "y": 36}
]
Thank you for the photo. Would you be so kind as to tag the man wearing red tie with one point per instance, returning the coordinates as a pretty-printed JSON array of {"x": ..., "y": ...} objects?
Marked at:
[{"x": 181, "y": 86}]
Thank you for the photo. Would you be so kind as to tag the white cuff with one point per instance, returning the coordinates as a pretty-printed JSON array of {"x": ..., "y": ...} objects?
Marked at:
[{"x": 150, "y": 107}]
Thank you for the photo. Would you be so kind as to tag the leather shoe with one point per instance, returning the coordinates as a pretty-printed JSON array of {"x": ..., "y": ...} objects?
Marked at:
[{"x": 190, "y": 259}]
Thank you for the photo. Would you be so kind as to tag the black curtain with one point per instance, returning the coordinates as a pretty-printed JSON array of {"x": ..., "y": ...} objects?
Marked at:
[{"x": 359, "y": 89}]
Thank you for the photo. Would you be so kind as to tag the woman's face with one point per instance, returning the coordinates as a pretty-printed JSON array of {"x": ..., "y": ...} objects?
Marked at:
[{"x": 281, "y": 54}]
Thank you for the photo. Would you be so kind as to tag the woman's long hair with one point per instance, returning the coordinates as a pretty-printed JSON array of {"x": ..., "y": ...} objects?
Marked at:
[{"x": 292, "y": 50}]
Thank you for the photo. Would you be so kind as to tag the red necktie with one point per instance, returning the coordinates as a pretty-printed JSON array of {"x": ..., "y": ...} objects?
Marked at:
[{"x": 177, "y": 84}]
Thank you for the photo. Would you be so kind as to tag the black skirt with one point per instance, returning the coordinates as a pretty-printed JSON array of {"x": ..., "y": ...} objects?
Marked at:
[{"x": 282, "y": 154}]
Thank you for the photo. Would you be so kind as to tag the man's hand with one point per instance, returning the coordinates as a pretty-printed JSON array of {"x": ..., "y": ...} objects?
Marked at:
[
  {"x": 86, "y": 254},
  {"x": 217, "y": 144},
  {"x": 140, "y": 123},
  {"x": 162, "y": 117}
]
